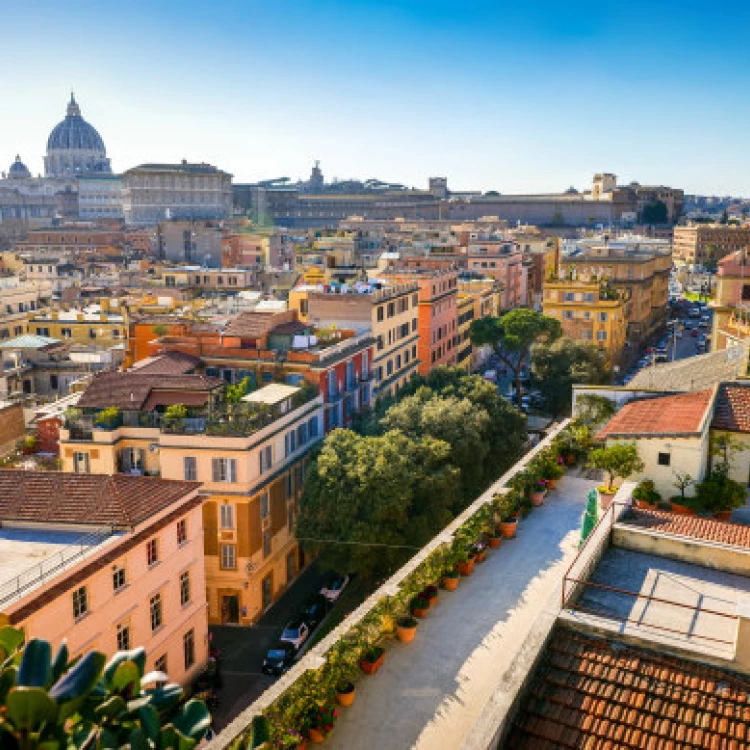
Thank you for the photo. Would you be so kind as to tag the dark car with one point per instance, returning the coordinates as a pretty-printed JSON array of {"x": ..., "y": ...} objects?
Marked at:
[
  {"x": 314, "y": 610},
  {"x": 279, "y": 658}
]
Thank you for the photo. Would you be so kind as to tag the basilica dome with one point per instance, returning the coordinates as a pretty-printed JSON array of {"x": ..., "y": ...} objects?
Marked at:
[
  {"x": 75, "y": 147},
  {"x": 18, "y": 170}
]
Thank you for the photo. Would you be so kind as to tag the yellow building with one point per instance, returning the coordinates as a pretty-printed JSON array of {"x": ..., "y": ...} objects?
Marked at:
[
  {"x": 465, "y": 309},
  {"x": 590, "y": 311},
  {"x": 103, "y": 324},
  {"x": 250, "y": 459}
]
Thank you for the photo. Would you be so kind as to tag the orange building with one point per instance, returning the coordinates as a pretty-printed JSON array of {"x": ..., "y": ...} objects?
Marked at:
[
  {"x": 146, "y": 330},
  {"x": 438, "y": 314}
]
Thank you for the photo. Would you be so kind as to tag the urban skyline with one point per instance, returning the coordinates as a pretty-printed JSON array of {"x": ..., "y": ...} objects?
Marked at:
[{"x": 562, "y": 95}]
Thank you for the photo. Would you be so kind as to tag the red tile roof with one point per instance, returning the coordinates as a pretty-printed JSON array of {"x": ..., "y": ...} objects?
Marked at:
[
  {"x": 98, "y": 499},
  {"x": 169, "y": 363},
  {"x": 732, "y": 410},
  {"x": 707, "y": 529},
  {"x": 131, "y": 390},
  {"x": 590, "y": 693},
  {"x": 255, "y": 325},
  {"x": 678, "y": 415}
]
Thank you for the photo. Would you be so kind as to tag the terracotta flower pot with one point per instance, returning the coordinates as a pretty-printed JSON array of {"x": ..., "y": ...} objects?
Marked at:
[
  {"x": 682, "y": 510},
  {"x": 508, "y": 529},
  {"x": 643, "y": 505},
  {"x": 605, "y": 498},
  {"x": 302, "y": 745},
  {"x": 494, "y": 542},
  {"x": 723, "y": 515},
  {"x": 466, "y": 568},
  {"x": 371, "y": 667},
  {"x": 315, "y": 736},
  {"x": 537, "y": 499},
  {"x": 481, "y": 556},
  {"x": 347, "y": 698},
  {"x": 405, "y": 634},
  {"x": 449, "y": 583},
  {"x": 570, "y": 459},
  {"x": 551, "y": 484}
]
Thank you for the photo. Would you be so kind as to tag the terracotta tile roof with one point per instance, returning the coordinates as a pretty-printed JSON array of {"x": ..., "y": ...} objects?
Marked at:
[
  {"x": 591, "y": 693},
  {"x": 131, "y": 390},
  {"x": 98, "y": 499},
  {"x": 732, "y": 410},
  {"x": 707, "y": 529},
  {"x": 252, "y": 325},
  {"x": 169, "y": 363},
  {"x": 680, "y": 414}
]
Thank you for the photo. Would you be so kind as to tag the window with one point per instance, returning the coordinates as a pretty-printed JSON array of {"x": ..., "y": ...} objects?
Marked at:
[
  {"x": 155, "y": 610},
  {"x": 188, "y": 648},
  {"x": 53, "y": 382},
  {"x": 152, "y": 551},
  {"x": 226, "y": 513},
  {"x": 312, "y": 427},
  {"x": 266, "y": 458},
  {"x": 664, "y": 459},
  {"x": 80, "y": 602},
  {"x": 224, "y": 469},
  {"x": 567, "y": 314},
  {"x": 380, "y": 313},
  {"x": 289, "y": 485},
  {"x": 185, "y": 588},
  {"x": 190, "y": 468},
  {"x": 601, "y": 335},
  {"x": 123, "y": 637},
  {"x": 81, "y": 463},
  {"x": 588, "y": 297},
  {"x": 264, "y": 507},
  {"x": 160, "y": 665},
  {"x": 182, "y": 531},
  {"x": 228, "y": 557},
  {"x": 569, "y": 296},
  {"x": 602, "y": 317},
  {"x": 266, "y": 543},
  {"x": 118, "y": 579}
]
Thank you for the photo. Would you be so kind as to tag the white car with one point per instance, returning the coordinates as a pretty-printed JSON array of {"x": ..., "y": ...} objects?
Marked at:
[
  {"x": 333, "y": 587},
  {"x": 295, "y": 632}
]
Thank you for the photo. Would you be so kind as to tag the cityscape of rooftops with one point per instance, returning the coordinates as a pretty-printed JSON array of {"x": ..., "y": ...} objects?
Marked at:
[{"x": 374, "y": 375}]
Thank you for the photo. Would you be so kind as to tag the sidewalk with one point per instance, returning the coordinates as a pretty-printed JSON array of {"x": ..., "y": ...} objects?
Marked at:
[{"x": 429, "y": 693}]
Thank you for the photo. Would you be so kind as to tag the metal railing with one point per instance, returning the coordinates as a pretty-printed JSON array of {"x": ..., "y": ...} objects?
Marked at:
[
  {"x": 51, "y": 565},
  {"x": 599, "y": 536}
]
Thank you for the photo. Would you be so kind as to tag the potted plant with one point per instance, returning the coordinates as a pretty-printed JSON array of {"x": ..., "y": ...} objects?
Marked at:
[
  {"x": 537, "y": 492},
  {"x": 646, "y": 495},
  {"x": 450, "y": 580},
  {"x": 320, "y": 722},
  {"x": 681, "y": 505},
  {"x": 494, "y": 538},
  {"x": 555, "y": 472},
  {"x": 107, "y": 419},
  {"x": 406, "y": 629},
  {"x": 479, "y": 549},
  {"x": 373, "y": 659},
  {"x": 420, "y": 607},
  {"x": 616, "y": 460},
  {"x": 466, "y": 565},
  {"x": 507, "y": 509},
  {"x": 430, "y": 594},
  {"x": 720, "y": 495},
  {"x": 291, "y": 739},
  {"x": 345, "y": 693}
]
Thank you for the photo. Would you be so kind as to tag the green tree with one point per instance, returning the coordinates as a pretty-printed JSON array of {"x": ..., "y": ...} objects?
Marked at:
[
  {"x": 559, "y": 365},
  {"x": 49, "y": 701},
  {"x": 369, "y": 502},
  {"x": 512, "y": 336},
  {"x": 461, "y": 424},
  {"x": 594, "y": 411},
  {"x": 654, "y": 212},
  {"x": 616, "y": 460},
  {"x": 235, "y": 393}
]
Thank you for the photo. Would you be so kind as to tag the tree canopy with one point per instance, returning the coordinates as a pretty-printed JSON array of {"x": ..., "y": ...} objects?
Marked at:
[{"x": 557, "y": 366}]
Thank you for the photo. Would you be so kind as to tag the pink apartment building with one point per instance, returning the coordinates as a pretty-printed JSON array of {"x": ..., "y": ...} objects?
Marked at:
[
  {"x": 502, "y": 261},
  {"x": 106, "y": 563}
]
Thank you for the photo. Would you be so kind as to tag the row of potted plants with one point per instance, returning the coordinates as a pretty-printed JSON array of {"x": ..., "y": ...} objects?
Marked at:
[{"x": 309, "y": 705}]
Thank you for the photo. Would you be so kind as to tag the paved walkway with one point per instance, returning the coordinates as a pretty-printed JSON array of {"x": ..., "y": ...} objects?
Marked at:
[{"x": 429, "y": 693}]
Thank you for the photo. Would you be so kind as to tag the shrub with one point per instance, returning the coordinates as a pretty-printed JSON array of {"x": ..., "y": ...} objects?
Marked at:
[
  {"x": 719, "y": 493},
  {"x": 107, "y": 418},
  {"x": 373, "y": 654},
  {"x": 408, "y": 622},
  {"x": 646, "y": 492}
]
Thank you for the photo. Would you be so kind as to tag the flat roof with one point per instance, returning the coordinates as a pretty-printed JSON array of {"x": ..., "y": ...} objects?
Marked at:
[{"x": 271, "y": 394}]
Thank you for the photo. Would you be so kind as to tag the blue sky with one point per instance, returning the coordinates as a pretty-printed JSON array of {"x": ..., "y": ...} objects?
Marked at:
[{"x": 521, "y": 96}]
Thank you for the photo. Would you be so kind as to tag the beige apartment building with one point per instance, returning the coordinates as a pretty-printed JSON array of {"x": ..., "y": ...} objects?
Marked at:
[
  {"x": 390, "y": 312},
  {"x": 249, "y": 458},
  {"x": 642, "y": 271},
  {"x": 707, "y": 244},
  {"x": 18, "y": 300}
]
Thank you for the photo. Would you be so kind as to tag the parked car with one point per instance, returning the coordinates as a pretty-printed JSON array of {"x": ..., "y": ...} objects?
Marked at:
[
  {"x": 333, "y": 587},
  {"x": 703, "y": 323},
  {"x": 278, "y": 658},
  {"x": 314, "y": 610},
  {"x": 295, "y": 632},
  {"x": 525, "y": 402}
]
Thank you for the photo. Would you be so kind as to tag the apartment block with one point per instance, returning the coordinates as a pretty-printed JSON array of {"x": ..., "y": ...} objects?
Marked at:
[
  {"x": 106, "y": 563},
  {"x": 706, "y": 244},
  {"x": 104, "y": 323}
]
